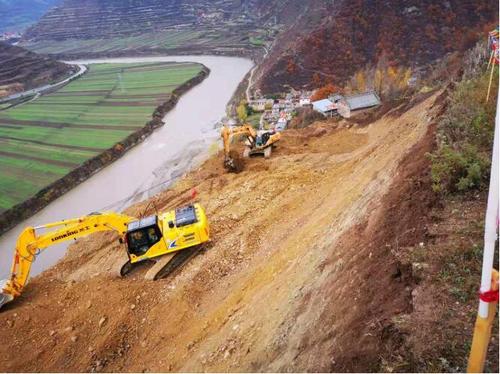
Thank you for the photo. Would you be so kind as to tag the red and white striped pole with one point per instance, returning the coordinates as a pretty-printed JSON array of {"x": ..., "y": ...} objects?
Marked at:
[{"x": 489, "y": 278}]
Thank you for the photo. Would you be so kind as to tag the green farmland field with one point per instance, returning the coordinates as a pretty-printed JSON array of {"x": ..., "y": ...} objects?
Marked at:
[{"x": 43, "y": 140}]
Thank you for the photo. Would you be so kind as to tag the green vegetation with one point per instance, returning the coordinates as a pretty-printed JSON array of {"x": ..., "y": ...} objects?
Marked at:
[
  {"x": 465, "y": 131},
  {"x": 242, "y": 111},
  {"x": 257, "y": 41},
  {"x": 43, "y": 140}
]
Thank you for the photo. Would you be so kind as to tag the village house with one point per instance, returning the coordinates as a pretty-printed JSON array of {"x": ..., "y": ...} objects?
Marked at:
[
  {"x": 259, "y": 105},
  {"x": 351, "y": 103},
  {"x": 325, "y": 107}
]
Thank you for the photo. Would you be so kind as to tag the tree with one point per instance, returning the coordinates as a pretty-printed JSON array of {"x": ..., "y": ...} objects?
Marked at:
[
  {"x": 242, "y": 111},
  {"x": 323, "y": 92},
  {"x": 360, "y": 81}
]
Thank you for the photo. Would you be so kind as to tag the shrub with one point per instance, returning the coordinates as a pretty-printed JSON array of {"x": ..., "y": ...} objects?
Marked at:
[{"x": 465, "y": 137}]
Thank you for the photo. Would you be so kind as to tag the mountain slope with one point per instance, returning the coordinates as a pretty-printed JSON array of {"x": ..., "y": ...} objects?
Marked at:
[
  {"x": 359, "y": 33},
  {"x": 21, "y": 69},
  {"x": 152, "y": 26}
]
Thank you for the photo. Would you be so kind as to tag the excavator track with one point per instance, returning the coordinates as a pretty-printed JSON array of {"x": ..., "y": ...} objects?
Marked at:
[{"x": 171, "y": 263}]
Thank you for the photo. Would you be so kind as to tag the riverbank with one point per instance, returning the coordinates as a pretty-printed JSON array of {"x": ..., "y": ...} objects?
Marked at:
[{"x": 45, "y": 196}]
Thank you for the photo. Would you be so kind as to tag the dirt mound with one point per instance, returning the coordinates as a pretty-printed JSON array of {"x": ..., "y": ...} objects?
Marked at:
[{"x": 298, "y": 268}]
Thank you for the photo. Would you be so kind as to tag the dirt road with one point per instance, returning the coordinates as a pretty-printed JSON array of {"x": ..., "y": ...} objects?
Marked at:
[{"x": 299, "y": 275}]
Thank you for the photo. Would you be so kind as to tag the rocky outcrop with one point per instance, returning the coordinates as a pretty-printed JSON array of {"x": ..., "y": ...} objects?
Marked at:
[{"x": 21, "y": 211}]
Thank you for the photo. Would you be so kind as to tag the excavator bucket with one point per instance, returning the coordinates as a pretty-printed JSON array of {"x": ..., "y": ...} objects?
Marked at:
[
  {"x": 233, "y": 162},
  {"x": 4, "y": 297}
]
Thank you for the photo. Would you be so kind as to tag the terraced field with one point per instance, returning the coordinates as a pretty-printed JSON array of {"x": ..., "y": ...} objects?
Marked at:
[{"x": 43, "y": 140}]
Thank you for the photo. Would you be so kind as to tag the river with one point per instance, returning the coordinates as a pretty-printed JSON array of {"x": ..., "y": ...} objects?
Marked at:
[{"x": 184, "y": 141}]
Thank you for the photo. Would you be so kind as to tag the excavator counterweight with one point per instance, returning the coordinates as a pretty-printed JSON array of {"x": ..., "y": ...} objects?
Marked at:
[{"x": 170, "y": 233}]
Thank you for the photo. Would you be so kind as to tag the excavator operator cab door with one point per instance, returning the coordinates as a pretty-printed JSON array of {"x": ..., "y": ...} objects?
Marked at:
[{"x": 142, "y": 235}]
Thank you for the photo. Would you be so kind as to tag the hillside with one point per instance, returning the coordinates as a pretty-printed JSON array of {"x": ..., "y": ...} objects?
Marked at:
[
  {"x": 174, "y": 26},
  {"x": 114, "y": 25},
  {"x": 302, "y": 263},
  {"x": 378, "y": 33},
  {"x": 21, "y": 69},
  {"x": 312, "y": 44}
]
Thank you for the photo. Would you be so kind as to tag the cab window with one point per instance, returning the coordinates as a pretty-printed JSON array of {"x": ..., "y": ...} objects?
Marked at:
[{"x": 139, "y": 241}]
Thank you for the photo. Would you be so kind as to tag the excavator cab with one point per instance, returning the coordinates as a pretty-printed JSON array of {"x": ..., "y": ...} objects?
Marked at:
[
  {"x": 142, "y": 235},
  {"x": 182, "y": 229},
  {"x": 263, "y": 138}
]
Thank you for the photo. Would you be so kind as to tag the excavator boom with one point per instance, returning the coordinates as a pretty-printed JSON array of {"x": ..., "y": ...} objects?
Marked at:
[
  {"x": 29, "y": 244},
  {"x": 256, "y": 144},
  {"x": 173, "y": 236}
]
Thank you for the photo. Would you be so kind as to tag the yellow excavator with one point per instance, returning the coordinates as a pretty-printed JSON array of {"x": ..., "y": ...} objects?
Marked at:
[
  {"x": 255, "y": 143},
  {"x": 175, "y": 236}
]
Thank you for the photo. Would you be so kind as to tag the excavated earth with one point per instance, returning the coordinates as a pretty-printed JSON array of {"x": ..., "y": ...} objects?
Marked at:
[{"x": 299, "y": 275}]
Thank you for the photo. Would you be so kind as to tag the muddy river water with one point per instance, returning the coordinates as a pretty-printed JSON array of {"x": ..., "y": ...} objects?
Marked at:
[{"x": 186, "y": 139}]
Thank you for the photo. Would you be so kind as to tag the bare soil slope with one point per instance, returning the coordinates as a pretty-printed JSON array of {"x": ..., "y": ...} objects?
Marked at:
[{"x": 299, "y": 275}]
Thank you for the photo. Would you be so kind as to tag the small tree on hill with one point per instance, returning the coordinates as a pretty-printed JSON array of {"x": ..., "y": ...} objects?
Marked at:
[
  {"x": 242, "y": 111},
  {"x": 323, "y": 92}
]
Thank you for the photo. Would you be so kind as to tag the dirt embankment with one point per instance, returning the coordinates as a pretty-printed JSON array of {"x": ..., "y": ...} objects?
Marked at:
[
  {"x": 301, "y": 273},
  {"x": 19, "y": 212}
]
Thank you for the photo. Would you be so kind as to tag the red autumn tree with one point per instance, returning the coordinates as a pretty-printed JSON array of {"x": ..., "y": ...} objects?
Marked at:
[{"x": 323, "y": 92}]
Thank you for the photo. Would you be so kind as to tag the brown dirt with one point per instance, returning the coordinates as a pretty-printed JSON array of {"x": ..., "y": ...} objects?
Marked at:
[{"x": 299, "y": 276}]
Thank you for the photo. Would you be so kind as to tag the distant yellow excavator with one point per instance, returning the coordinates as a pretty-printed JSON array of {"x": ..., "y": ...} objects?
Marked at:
[
  {"x": 256, "y": 143},
  {"x": 175, "y": 235}
]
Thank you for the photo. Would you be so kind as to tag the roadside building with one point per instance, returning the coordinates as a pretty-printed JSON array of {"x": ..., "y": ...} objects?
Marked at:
[
  {"x": 325, "y": 107},
  {"x": 259, "y": 105},
  {"x": 304, "y": 101},
  {"x": 281, "y": 124},
  {"x": 357, "y": 102}
]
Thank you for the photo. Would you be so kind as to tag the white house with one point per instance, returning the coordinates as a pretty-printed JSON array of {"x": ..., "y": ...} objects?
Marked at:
[
  {"x": 325, "y": 107},
  {"x": 356, "y": 102},
  {"x": 304, "y": 101},
  {"x": 281, "y": 124}
]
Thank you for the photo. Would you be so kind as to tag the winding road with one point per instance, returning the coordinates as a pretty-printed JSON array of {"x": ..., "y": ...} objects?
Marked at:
[{"x": 43, "y": 89}]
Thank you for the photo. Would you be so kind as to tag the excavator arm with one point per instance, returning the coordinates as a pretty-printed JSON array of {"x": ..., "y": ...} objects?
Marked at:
[
  {"x": 227, "y": 133},
  {"x": 29, "y": 245}
]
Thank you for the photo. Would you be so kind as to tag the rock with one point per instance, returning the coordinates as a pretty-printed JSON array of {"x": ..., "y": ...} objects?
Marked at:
[
  {"x": 74, "y": 338},
  {"x": 132, "y": 306},
  {"x": 52, "y": 332},
  {"x": 102, "y": 321},
  {"x": 418, "y": 269},
  {"x": 68, "y": 329}
]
